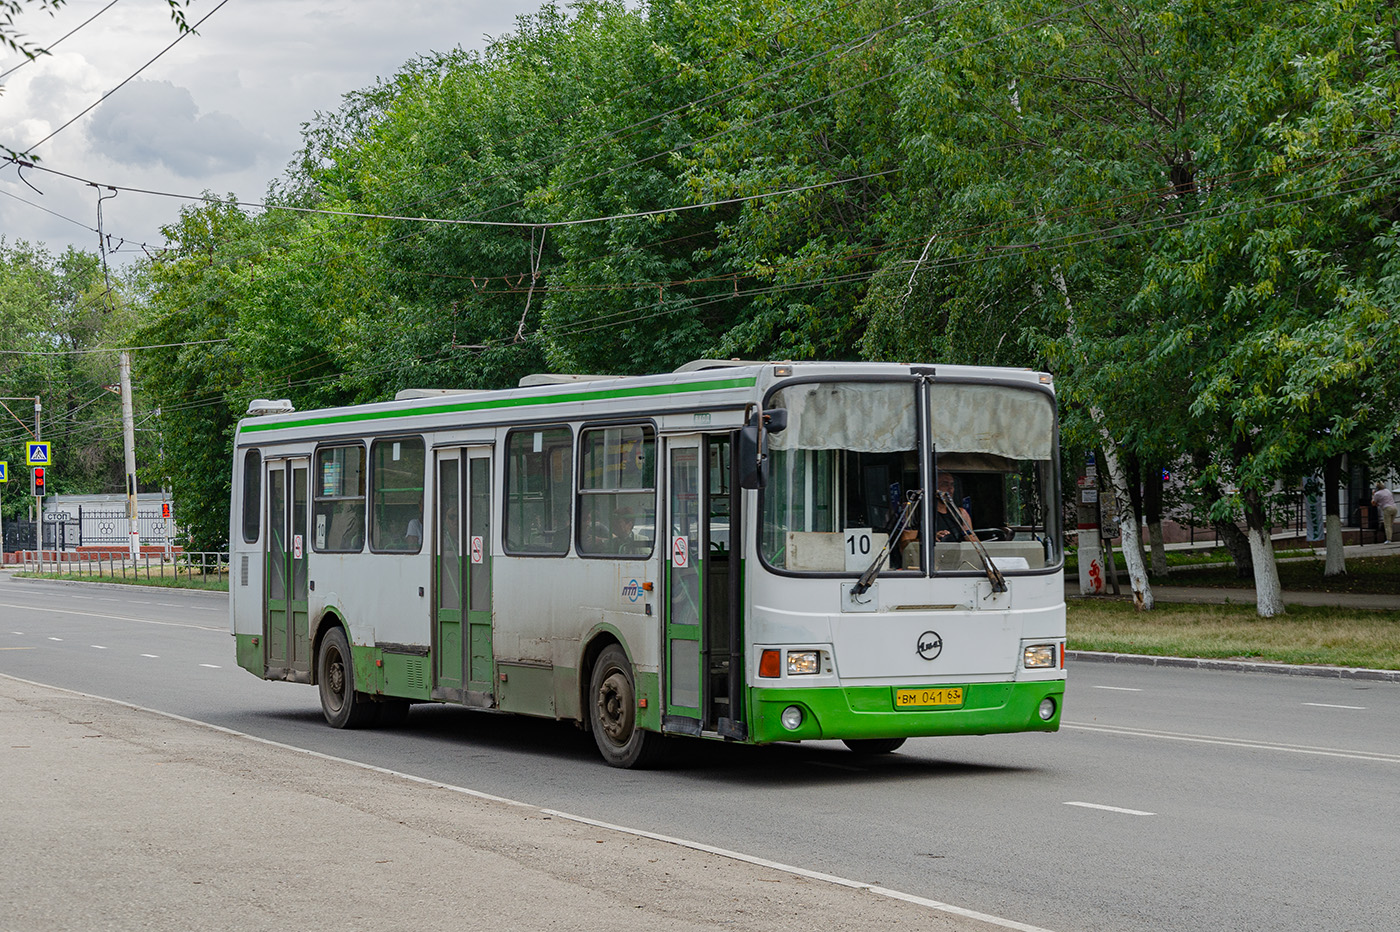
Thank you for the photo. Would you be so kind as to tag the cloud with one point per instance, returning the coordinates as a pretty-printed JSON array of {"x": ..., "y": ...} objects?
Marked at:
[{"x": 151, "y": 123}]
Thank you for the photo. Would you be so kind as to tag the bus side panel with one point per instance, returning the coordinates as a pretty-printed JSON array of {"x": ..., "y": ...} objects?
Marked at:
[{"x": 543, "y": 603}]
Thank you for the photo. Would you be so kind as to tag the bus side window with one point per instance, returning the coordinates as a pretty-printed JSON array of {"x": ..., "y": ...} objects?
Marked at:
[
  {"x": 396, "y": 502},
  {"x": 538, "y": 489},
  {"x": 252, "y": 496}
]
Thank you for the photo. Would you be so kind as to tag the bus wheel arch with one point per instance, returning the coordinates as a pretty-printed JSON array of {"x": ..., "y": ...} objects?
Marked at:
[
  {"x": 610, "y": 705},
  {"x": 342, "y": 704}
]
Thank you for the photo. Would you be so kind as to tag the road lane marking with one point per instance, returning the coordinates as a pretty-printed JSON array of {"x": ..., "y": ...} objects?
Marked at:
[
  {"x": 1328, "y": 705},
  {"x": 143, "y": 621},
  {"x": 1122, "y": 689},
  {"x": 1379, "y": 756},
  {"x": 55, "y": 639},
  {"x": 152, "y": 656},
  {"x": 478, "y": 794},
  {"x": 97, "y": 647},
  {"x": 212, "y": 666},
  {"x": 1111, "y": 808},
  {"x": 16, "y": 648}
]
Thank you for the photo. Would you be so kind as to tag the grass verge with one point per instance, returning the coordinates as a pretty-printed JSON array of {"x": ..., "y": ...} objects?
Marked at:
[
  {"x": 1305, "y": 635},
  {"x": 210, "y": 583}
]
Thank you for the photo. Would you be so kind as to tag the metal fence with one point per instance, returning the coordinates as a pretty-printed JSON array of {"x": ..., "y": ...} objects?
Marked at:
[
  {"x": 93, "y": 527},
  {"x": 189, "y": 565}
]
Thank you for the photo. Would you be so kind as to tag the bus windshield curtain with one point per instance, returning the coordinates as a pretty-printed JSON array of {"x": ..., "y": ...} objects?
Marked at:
[
  {"x": 1009, "y": 422},
  {"x": 863, "y": 417}
]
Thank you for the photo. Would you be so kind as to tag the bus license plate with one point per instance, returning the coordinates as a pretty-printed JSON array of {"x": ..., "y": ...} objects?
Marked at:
[{"x": 928, "y": 698}]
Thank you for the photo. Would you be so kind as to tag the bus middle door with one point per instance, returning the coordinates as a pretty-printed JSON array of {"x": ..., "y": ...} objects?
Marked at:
[{"x": 464, "y": 658}]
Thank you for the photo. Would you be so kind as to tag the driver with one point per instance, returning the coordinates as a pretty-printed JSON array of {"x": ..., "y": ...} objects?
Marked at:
[{"x": 945, "y": 523}]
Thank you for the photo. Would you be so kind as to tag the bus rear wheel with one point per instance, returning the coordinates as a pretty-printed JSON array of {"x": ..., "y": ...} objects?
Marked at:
[
  {"x": 871, "y": 746},
  {"x": 612, "y": 713},
  {"x": 335, "y": 677}
]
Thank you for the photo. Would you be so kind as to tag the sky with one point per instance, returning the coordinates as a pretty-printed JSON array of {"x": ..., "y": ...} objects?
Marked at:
[{"x": 222, "y": 111}]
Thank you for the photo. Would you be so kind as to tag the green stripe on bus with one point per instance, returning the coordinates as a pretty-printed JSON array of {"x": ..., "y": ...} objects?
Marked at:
[{"x": 640, "y": 391}]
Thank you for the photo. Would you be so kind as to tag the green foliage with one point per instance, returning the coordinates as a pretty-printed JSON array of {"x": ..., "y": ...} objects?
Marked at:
[
  {"x": 54, "y": 312},
  {"x": 1186, "y": 212}
]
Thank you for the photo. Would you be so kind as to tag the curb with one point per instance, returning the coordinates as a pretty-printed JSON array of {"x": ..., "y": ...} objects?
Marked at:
[
  {"x": 1237, "y": 666},
  {"x": 120, "y": 586}
]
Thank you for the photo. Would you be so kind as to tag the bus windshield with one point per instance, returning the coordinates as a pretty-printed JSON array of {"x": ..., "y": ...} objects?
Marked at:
[{"x": 849, "y": 458}]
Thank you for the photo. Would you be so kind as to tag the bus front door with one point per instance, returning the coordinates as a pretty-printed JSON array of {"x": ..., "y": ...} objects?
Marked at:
[
  {"x": 286, "y": 633},
  {"x": 698, "y": 578},
  {"x": 463, "y": 665},
  {"x": 685, "y": 542}
]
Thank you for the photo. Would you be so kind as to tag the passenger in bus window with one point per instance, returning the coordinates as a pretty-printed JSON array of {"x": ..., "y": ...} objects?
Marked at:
[
  {"x": 622, "y": 540},
  {"x": 413, "y": 536},
  {"x": 945, "y": 524}
]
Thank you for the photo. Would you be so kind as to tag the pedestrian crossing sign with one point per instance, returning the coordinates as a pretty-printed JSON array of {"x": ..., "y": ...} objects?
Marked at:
[
  {"x": 37, "y": 454},
  {"x": 4, "y": 471}
]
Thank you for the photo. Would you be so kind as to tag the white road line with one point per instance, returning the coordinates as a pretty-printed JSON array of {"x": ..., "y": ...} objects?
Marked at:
[
  {"x": 477, "y": 794},
  {"x": 55, "y": 639},
  {"x": 212, "y": 666},
  {"x": 1380, "y": 756},
  {"x": 97, "y": 647},
  {"x": 20, "y": 633},
  {"x": 143, "y": 621},
  {"x": 1111, "y": 808},
  {"x": 152, "y": 656},
  {"x": 1328, "y": 705},
  {"x": 1122, "y": 689}
]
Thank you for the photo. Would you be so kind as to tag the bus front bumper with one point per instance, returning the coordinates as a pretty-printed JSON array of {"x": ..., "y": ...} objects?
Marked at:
[{"x": 869, "y": 712}]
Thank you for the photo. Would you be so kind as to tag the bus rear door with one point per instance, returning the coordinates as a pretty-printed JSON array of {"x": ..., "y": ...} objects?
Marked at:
[{"x": 285, "y": 629}]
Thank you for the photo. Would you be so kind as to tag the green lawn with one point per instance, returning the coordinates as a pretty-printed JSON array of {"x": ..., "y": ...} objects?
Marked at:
[
  {"x": 1305, "y": 635},
  {"x": 1302, "y": 573},
  {"x": 211, "y": 582}
]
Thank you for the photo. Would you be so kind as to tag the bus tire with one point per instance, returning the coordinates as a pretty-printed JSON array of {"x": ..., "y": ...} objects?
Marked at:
[
  {"x": 872, "y": 746},
  {"x": 612, "y": 713},
  {"x": 335, "y": 678}
]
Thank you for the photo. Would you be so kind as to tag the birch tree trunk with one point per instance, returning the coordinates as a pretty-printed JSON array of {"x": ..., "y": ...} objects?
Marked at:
[
  {"x": 1268, "y": 592},
  {"x": 1128, "y": 520}
]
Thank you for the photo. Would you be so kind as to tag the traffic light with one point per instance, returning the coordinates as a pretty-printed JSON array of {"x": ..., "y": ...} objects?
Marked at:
[{"x": 36, "y": 480}]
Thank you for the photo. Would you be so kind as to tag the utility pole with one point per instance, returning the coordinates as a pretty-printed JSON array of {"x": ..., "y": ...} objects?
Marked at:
[
  {"x": 38, "y": 499},
  {"x": 129, "y": 441}
]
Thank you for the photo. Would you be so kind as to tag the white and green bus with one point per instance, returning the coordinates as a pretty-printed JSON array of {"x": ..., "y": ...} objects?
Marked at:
[{"x": 735, "y": 551}]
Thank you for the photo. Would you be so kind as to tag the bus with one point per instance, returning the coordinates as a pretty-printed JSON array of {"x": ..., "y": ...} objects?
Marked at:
[{"x": 737, "y": 551}]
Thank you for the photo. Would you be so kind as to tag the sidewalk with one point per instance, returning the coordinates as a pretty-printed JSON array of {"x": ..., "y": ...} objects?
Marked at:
[{"x": 122, "y": 819}]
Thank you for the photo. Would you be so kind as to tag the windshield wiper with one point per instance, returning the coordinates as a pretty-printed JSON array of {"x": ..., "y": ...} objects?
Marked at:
[
  {"x": 998, "y": 581},
  {"x": 867, "y": 579}
]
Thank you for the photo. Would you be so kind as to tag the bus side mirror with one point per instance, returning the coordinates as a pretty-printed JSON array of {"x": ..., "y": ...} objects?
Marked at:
[
  {"x": 751, "y": 472},
  {"x": 775, "y": 420}
]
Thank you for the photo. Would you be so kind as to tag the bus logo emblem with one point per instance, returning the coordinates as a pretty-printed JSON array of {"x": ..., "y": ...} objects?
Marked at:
[
  {"x": 632, "y": 591},
  {"x": 930, "y": 645}
]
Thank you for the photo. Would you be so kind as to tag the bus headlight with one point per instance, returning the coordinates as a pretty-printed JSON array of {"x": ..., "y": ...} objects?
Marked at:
[
  {"x": 1039, "y": 655},
  {"x": 1047, "y": 709},
  {"x": 792, "y": 718},
  {"x": 803, "y": 662}
]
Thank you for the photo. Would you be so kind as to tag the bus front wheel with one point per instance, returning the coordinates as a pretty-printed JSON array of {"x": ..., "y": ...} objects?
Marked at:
[
  {"x": 335, "y": 677},
  {"x": 612, "y": 713}
]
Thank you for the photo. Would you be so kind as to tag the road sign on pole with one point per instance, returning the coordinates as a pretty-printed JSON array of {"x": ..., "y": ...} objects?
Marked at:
[
  {"x": 4, "y": 471},
  {"x": 37, "y": 453}
]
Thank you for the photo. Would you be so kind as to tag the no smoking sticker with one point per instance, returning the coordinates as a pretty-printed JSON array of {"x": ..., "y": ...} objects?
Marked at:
[{"x": 680, "y": 552}]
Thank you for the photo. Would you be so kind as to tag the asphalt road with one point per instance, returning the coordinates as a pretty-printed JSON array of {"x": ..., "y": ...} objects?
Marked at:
[{"x": 1171, "y": 799}]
